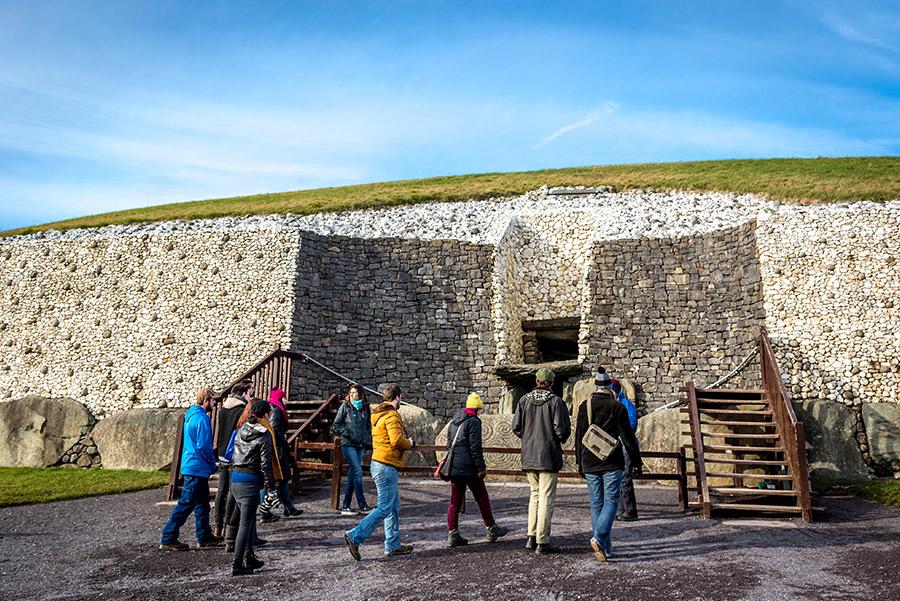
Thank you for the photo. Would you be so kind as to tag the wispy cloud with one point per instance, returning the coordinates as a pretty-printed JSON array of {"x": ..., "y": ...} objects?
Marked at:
[{"x": 608, "y": 108}]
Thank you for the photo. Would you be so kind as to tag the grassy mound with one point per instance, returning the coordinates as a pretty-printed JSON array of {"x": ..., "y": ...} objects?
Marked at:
[
  {"x": 23, "y": 486},
  {"x": 881, "y": 491},
  {"x": 791, "y": 180}
]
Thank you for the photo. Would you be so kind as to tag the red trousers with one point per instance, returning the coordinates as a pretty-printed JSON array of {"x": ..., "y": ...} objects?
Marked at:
[{"x": 458, "y": 495}]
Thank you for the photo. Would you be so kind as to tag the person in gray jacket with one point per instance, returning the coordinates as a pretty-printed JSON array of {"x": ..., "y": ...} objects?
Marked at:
[{"x": 542, "y": 422}]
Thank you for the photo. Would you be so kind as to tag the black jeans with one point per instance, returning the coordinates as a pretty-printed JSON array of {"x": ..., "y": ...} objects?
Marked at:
[
  {"x": 627, "y": 502},
  {"x": 222, "y": 494},
  {"x": 247, "y": 498}
]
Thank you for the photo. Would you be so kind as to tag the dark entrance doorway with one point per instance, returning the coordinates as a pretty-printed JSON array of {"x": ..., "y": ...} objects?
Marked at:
[{"x": 550, "y": 340}]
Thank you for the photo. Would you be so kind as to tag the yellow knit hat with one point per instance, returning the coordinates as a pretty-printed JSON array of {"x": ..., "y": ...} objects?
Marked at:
[{"x": 474, "y": 401}]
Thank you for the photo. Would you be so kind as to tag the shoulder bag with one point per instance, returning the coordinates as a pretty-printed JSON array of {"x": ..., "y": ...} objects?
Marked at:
[
  {"x": 596, "y": 440},
  {"x": 443, "y": 468}
]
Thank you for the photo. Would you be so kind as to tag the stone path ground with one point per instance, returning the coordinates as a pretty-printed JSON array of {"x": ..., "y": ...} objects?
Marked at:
[{"x": 105, "y": 548}]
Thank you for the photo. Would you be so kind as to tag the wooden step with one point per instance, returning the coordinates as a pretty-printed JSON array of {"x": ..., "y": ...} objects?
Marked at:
[
  {"x": 702, "y": 402},
  {"x": 733, "y": 423},
  {"x": 744, "y": 461},
  {"x": 734, "y": 435},
  {"x": 731, "y": 411},
  {"x": 736, "y": 490},
  {"x": 757, "y": 476},
  {"x": 757, "y": 507},
  {"x": 715, "y": 448},
  {"x": 730, "y": 393}
]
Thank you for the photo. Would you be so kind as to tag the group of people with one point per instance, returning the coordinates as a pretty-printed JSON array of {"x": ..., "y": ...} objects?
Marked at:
[
  {"x": 543, "y": 423},
  {"x": 254, "y": 465}
]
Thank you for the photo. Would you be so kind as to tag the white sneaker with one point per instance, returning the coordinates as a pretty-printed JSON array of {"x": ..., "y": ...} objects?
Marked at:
[{"x": 347, "y": 511}]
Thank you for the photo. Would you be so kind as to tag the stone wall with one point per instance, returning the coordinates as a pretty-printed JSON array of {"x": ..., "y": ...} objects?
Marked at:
[
  {"x": 141, "y": 320},
  {"x": 413, "y": 312},
  {"x": 663, "y": 311}
]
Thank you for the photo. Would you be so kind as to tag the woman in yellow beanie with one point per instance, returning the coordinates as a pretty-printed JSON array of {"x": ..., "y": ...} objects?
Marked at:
[{"x": 465, "y": 466}]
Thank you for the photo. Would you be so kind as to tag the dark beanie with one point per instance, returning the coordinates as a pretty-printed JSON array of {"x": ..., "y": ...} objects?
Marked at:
[{"x": 260, "y": 408}]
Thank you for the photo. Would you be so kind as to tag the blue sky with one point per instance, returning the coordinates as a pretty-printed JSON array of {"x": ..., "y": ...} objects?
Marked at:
[{"x": 111, "y": 105}]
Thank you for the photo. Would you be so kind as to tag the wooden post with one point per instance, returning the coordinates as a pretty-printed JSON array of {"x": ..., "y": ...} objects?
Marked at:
[
  {"x": 697, "y": 433},
  {"x": 682, "y": 479},
  {"x": 337, "y": 468},
  {"x": 172, "y": 489}
]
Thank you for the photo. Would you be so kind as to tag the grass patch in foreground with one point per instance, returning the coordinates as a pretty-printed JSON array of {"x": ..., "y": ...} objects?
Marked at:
[
  {"x": 881, "y": 491},
  {"x": 25, "y": 485},
  {"x": 791, "y": 180}
]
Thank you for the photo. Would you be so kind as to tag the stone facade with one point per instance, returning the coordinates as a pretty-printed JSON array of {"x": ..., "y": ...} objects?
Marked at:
[{"x": 663, "y": 311}]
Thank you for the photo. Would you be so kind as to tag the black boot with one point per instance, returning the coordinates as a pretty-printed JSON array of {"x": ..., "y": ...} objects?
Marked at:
[
  {"x": 239, "y": 569},
  {"x": 254, "y": 563}
]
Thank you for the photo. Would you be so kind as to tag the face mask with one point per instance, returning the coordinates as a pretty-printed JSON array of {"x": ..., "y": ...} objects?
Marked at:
[{"x": 357, "y": 404}]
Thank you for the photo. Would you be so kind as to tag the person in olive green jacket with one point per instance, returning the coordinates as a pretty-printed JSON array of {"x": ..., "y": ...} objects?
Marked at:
[{"x": 389, "y": 442}]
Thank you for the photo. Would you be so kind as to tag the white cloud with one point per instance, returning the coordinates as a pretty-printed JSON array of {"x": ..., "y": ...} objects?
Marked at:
[{"x": 608, "y": 108}]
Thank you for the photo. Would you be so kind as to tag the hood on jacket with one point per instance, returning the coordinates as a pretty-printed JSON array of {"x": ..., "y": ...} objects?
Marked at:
[
  {"x": 250, "y": 432},
  {"x": 193, "y": 413},
  {"x": 233, "y": 401},
  {"x": 459, "y": 416},
  {"x": 382, "y": 408},
  {"x": 539, "y": 396}
]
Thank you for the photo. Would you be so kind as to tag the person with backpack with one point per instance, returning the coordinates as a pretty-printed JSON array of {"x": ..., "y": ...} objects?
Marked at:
[
  {"x": 627, "y": 501},
  {"x": 542, "y": 422},
  {"x": 254, "y": 467},
  {"x": 226, "y": 422},
  {"x": 389, "y": 442},
  {"x": 198, "y": 463},
  {"x": 353, "y": 424},
  {"x": 603, "y": 467},
  {"x": 464, "y": 465}
]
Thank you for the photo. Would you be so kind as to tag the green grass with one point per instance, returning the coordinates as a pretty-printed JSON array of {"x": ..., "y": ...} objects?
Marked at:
[
  {"x": 791, "y": 180},
  {"x": 882, "y": 491},
  {"x": 24, "y": 485}
]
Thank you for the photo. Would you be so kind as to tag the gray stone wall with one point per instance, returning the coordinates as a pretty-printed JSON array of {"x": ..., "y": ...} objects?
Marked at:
[
  {"x": 663, "y": 311},
  {"x": 413, "y": 312}
]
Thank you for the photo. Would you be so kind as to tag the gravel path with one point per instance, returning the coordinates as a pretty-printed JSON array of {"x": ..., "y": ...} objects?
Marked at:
[{"x": 105, "y": 548}]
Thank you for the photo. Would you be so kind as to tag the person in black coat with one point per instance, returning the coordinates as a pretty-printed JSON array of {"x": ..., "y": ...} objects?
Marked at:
[
  {"x": 604, "y": 474},
  {"x": 464, "y": 464}
]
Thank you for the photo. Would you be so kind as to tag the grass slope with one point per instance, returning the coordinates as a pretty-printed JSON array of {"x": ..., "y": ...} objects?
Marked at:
[
  {"x": 22, "y": 486},
  {"x": 882, "y": 491},
  {"x": 792, "y": 180}
]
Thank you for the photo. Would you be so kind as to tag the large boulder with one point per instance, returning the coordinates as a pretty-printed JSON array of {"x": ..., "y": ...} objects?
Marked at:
[
  {"x": 834, "y": 457},
  {"x": 421, "y": 426},
  {"x": 37, "y": 432},
  {"x": 660, "y": 431},
  {"x": 882, "y": 422},
  {"x": 138, "y": 439}
]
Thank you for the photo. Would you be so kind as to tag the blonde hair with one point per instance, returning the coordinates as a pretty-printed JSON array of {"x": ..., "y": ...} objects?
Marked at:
[{"x": 203, "y": 394}]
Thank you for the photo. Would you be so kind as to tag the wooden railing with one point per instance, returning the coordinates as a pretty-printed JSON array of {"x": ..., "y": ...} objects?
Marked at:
[
  {"x": 699, "y": 463},
  {"x": 294, "y": 439},
  {"x": 336, "y": 467},
  {"x": 789, "y": 428}
]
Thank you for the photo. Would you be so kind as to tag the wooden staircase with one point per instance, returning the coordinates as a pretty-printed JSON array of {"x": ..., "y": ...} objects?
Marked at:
[{"x": 747, "y": 447}]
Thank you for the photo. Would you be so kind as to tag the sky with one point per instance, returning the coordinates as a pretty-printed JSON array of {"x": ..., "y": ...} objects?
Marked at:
[{"x": 121, "y": 104}]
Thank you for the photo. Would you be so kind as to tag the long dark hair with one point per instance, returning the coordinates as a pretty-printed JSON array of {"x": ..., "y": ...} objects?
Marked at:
[{"x": 362, "y": 395}]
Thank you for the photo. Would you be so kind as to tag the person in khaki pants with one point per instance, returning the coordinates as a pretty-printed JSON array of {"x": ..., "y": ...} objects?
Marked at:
[{"x": 542, "y": 422}]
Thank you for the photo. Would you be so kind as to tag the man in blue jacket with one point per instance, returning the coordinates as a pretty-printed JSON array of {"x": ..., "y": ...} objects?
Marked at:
[{"x": 198, "y": 462}]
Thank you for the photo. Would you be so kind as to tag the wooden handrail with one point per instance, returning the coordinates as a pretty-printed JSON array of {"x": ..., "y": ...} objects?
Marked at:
[
  {"x": 697, "y": 435},
  {"x": 790, "y": 430}
]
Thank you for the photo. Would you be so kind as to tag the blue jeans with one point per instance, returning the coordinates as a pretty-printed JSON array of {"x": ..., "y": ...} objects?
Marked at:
[
  {"x": 194, "y": 498},
  {"x": 353, "y": 456},
  {"x": 388, "y": 509},
  {"x": 603, "y": 491}
]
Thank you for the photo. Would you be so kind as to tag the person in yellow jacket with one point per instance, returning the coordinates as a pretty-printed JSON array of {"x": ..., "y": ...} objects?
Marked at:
[{"x": 389, "y": 442}]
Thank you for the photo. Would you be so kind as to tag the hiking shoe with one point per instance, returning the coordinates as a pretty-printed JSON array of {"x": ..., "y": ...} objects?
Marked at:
[
  {"x": 174, "y": 546},
  {"x": 215, "y": 541},
  {"x": 365, "y": 510},
  {"x": 241, "y": 570},
  {"x": 624, "y": 517},
  {"x": 495, "y": 532},
  {"x": 267, "y": 518},
  {"x": 547, "y": 549},
  {"x": 598, "y": 551},
  {"x": 353, "y": 547},
  {"x": 531, "y": 543},
  {"x": 401, "y": 550},
  {"x": 455, "y": 539},
  {"x": 254, "y": 563},
  {"x": 292, "y": 512},
  {"x": 347, "y": 511}
]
